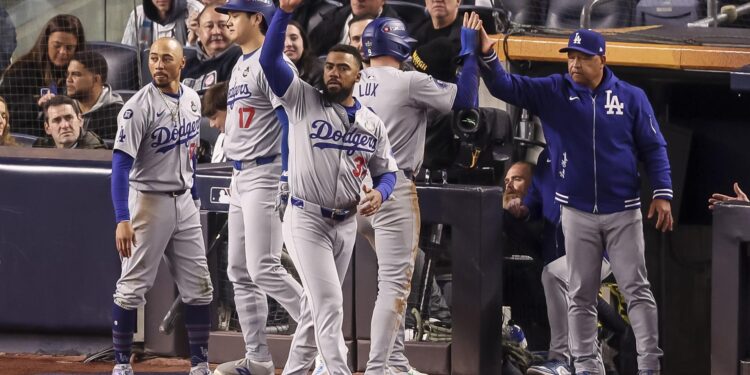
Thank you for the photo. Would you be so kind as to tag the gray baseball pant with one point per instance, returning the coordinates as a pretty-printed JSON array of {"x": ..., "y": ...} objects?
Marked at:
[
  {"x": 555, "y": 281},
  {"x": 254, "y": 255},
  {"x": 621, "y": 233},
  {"x": 167, "y": 227},
  {"x": 394, "y": 234},
  {"x": 321, "y": 250}
]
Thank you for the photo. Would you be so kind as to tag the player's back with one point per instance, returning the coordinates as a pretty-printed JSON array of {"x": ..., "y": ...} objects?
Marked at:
[
  {"x": 161, "y": 132},
  {"x": 252, "y": 129},
  {"x": 402, "y": 100}
]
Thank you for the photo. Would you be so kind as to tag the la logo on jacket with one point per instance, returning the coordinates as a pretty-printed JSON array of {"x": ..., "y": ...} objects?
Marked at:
[{"x": 613, "y": 106}]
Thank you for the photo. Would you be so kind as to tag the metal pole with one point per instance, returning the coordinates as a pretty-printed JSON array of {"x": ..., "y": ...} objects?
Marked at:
[
  {"x": 586, "y": 12},
  {"x": 713, "y": 9}
]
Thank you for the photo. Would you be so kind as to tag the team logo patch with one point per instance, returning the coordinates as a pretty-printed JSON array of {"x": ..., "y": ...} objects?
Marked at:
[
  {"x": 246, "y": 72},
  {"x": 128, "y": 114},
  {"x": 440, "y": 84},
  {"x": 193, "y": 107},
  {"x": 209, "y": 80}
]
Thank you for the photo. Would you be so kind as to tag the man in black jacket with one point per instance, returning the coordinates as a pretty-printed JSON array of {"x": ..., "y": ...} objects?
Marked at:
[
  {"x": 334, "y": 28},
  {"x": 87, "y": 84},
  {"x": 64, "y": 126}
]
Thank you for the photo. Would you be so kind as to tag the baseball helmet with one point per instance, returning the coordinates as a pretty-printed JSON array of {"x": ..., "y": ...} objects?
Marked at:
[
  {"x": 264, "y": 7},
  {"x": 386, "y": 36}
]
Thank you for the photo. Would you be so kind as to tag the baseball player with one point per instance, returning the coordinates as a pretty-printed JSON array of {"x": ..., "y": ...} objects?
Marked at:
[
  {"x": 604, "y": 126},
  {"x": 153, "y": 167},
  {"x": 535, "y": 203},
  {"x": 253, "y": 142},
  {"x": 334, "y": 142},
  {"x": 402, "y": 99}
]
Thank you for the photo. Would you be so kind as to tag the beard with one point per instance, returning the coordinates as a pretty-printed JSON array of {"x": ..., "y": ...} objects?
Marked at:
[
  {"x": 339, "y": 95},
  {"x": 507, "y": 196},
  {"x": 78, "y": 95}
]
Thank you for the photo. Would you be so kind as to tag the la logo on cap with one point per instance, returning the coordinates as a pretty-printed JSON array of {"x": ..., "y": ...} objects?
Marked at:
[{"x": 577, "y": 39}]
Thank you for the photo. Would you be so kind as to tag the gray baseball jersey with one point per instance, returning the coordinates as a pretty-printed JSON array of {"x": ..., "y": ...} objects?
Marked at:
[
  {"x": 402, "y": 100},
  {"x": 328, "y": 157},
  {"x": 252, "y": 129},
  {"x": 161, "y": 132}
]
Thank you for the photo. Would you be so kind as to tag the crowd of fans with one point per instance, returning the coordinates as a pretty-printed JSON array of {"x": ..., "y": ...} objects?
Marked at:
[{"x": 60, "y": 65}]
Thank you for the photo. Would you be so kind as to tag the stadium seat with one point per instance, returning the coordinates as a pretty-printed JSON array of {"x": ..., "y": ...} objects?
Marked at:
[
  {"x": 125, "y": 94},
  {"x": 409, "y": 12},
  {"x": 122, "y": 64},
  {"x": 525, "y": 12},
  {"x": 667, "y": 12},
  {"x": 310, "y": 14},
  {"x": 566, "y": 14}
]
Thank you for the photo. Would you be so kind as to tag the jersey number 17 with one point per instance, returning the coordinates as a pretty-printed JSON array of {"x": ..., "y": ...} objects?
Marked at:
[{"x": 246, "y": 117}]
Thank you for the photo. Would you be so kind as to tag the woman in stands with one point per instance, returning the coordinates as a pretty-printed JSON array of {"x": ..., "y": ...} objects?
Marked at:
[
  {"x": 42, "y": 70},
  {"x": 5, "y": 138},
  {"x": 297, "y": 49}
]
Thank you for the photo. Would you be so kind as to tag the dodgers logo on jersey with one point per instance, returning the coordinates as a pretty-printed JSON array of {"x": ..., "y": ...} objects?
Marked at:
[
  {"x": 613, "y": 106},
  {"x": 235, "y": 93},
  {"x": 351, "y": 141},
  {"x": 165, "y": 139},
  {"x": 127, "y": 115}
]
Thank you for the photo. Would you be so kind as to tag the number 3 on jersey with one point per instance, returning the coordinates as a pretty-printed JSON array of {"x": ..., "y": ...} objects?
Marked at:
[
  {"x": 246, "y": 117},
  {"x": 360, "y": 168}
]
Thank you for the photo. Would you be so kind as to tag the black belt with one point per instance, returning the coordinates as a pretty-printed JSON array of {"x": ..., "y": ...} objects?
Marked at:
[
  {"x": 239, "y": 164},
  {"x": 337, "y": 214},
  {"x": 409, "y": 174},
  {"x": 175, "y": 193}
]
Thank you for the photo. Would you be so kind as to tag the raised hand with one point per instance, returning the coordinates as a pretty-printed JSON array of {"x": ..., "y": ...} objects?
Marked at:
[
  {"x": 485, "y": 43},
  {"x": 289, "y": 5}
]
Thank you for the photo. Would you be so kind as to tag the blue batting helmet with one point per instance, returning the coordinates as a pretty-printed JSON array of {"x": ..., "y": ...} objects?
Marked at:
[
  {"x": 386, "y": 36},
  {"x": 264, "y": 7}
]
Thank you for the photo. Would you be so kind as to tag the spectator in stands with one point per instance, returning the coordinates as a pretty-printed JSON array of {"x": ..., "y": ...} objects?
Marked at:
[
  {"x": 8, "y": 41},
  {"x": 63, "y": 123},
  {"x": 717, "y": 197},
  {"x": 5, "y": 138},
  {"x": 297, "y": 49},
  {"x": 437, "y": 58},
  {"x": 43, "y": 67},
  {"x": 215, "y": 109},
  {"x": 216, "y": 54},
  {"x": 162, "y": 18},
  {"x": 442, "y": 22},
  {"x": 517, "y": 181},
  {"x": 87, "y": 84},
  {"x": 356, "y": 27},
  {"x": 213, "y": 2},
  {"x": 334, "y": 28}
]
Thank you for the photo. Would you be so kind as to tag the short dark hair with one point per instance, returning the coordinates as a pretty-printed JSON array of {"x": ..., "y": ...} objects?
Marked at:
[
  {"x": 58, "y": 100},
  {"x": 215, "y": 99},
  {"x": 345, "y": 48},
  {"x": 94, "y": 62}
]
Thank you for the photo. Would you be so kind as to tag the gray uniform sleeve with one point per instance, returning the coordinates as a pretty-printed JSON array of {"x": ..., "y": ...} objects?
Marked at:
[
  {"x": 263, "y": 85},
  {"x": 295, "y": 98},
  {"x": 431, "y": 93},
  {"x": 131, "y": 126},
  {"x": 382, "y": 160}
]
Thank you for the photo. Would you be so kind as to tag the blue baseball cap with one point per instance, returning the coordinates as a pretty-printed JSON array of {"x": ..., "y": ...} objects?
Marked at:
[{"x": 587, "y": 41}]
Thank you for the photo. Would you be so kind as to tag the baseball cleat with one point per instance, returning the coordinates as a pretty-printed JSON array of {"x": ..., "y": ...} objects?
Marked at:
[
  {"x": 245, "y": 367},
  {"x": 200, "y": 369},
  {"x": 412, "y": 371},
  {"x": 553, "y": 367},
  {"x": 123, "y": 369}
]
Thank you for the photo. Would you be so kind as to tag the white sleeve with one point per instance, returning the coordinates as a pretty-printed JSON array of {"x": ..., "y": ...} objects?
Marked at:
[
  {"x": 431, "y": 93},
  {"x": 129, "y": 37},
  {"x": 131, "y": 125},
  {"x": 382, "y": 160}
]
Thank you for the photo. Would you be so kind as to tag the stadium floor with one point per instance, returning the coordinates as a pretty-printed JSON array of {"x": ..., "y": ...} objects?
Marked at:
[{"x": 31, "y": 364}]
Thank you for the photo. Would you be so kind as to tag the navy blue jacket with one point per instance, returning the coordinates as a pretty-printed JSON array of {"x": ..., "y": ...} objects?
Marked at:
[
  {"x": 540, "y": 200},
  {"x": 602, "y": 134}
]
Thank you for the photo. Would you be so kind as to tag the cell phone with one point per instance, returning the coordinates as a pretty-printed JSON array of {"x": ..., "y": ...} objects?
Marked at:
[{"x": 44, "y": 91}]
